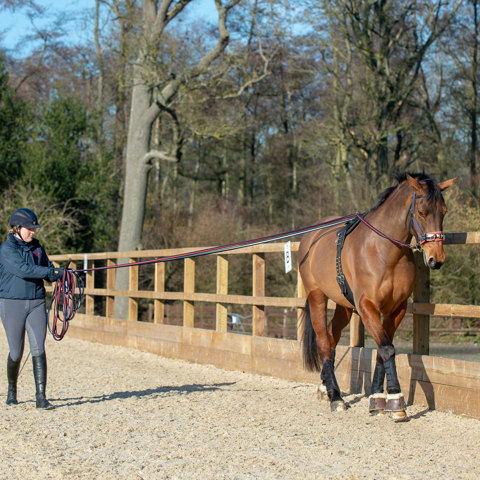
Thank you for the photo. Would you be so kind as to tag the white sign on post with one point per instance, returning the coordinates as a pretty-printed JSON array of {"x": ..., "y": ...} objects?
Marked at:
[{"x": 287, "y": 250}]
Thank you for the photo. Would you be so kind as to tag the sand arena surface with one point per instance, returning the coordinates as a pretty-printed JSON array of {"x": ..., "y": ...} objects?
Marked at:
[{"x": 125, "y": 414}]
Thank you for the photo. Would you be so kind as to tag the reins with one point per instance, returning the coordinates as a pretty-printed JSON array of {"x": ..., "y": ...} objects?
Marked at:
[{"x": 68, "y": 292}]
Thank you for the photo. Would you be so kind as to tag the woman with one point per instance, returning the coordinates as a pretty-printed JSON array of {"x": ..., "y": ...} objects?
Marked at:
[{"x": 23, "y": 266}]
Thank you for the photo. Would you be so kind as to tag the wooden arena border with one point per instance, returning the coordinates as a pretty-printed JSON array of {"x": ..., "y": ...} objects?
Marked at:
[{"x": 441, "y": 383}]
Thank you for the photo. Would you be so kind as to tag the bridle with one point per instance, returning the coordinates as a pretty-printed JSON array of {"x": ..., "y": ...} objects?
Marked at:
[{"x": 415, "y": 229}]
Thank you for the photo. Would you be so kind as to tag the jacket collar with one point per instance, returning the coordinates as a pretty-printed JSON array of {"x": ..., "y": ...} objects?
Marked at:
[{"x": 21, "y": 243}]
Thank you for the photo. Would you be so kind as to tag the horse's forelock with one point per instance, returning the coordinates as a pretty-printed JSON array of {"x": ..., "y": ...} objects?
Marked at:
[{"x": 433, "y": 193}]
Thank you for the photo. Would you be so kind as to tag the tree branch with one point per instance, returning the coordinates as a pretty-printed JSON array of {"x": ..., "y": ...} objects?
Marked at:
[{"x": 157, "y": 154}]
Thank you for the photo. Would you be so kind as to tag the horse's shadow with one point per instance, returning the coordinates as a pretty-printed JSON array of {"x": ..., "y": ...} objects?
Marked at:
[
  {"x": 418, "y": 371},
  {"x": 360, "y": 376},
  {"x": 162, "y": 391}
]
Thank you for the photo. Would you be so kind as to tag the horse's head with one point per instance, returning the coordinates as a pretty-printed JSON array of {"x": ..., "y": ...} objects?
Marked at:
[{"x": 427, "y": 209}]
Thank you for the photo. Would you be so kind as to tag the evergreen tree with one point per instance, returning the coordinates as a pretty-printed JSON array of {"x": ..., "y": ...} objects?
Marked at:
[{"x": 13, "y": 131}]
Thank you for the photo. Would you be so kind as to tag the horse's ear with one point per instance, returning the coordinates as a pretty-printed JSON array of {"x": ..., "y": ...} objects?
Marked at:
[
  {"x": 413, "y": 183},
  {"x": 447, "y": 183}
]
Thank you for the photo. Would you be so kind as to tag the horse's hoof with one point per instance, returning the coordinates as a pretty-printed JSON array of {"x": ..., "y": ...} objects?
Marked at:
[
  {"x": 322, "y": 392},
  {"x": 396, "y": 406},
  {"x": 338, "y": 406},
  {"x": 377, "y": 403},
  {"x": 398, "y": 416}
]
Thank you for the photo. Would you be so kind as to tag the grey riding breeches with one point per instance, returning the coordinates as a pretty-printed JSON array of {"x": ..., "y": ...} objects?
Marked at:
[{"x": 19, "y": 316}]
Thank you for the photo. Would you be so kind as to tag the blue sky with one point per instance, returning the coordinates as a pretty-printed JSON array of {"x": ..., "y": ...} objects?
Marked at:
[{"x": 14, "y": 26}]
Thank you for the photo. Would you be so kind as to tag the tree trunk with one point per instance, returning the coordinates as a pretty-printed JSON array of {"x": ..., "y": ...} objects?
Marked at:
[
  {"x": 137, "y": 166},
  {"x": 474, "y": 107},
  {"x": 147, "y": 103}
]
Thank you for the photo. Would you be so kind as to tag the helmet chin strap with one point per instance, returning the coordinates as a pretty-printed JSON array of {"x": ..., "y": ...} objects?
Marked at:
[{"x": 19, "y": 234}]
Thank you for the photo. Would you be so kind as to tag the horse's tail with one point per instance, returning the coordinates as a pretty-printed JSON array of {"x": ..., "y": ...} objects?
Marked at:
[{"x": 311, "y": 359}]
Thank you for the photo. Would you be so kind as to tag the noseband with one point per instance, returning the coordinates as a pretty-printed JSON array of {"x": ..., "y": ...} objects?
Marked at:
[{"x": 417, "y": 232}]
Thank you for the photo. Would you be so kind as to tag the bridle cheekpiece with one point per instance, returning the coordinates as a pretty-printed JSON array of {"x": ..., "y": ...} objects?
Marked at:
[{"x": 417, "y": 232}]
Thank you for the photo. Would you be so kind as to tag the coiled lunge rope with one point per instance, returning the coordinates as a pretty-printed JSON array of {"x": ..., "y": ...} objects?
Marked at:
[{"x": 66, "y": 300}]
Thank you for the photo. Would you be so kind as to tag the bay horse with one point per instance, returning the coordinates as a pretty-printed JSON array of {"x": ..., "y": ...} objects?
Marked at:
[{"x": 373, "y": 272}]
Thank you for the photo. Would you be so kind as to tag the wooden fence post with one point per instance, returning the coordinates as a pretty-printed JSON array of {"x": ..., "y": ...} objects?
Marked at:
[
  {"x": 258, "y": 287},
  {"x": 357, "y": 331},
  {"x": 188, "y": 287},
  {"x": 301, "y": 293},
  {"x": 222, "y": 289},
  {"x": 133, "y": 286},
  {"x": 110, "y": 300},
  {"x": 421, "y": 294},
  {"x": 159, "y": 286},
  {"x": 90, "y": 283}
]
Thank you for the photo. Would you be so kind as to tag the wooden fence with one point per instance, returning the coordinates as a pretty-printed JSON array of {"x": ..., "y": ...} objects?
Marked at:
[{"x": 256, "y": 353}]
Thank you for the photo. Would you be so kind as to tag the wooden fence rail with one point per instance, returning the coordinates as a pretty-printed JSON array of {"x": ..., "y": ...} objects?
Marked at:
[{"x": 421, "y": 308}]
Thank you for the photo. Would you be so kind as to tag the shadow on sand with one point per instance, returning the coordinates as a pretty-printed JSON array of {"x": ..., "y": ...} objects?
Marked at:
[{"x": 159, "y": 391}]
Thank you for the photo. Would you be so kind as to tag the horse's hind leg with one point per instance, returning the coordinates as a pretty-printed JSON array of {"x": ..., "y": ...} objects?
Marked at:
[
  {"x": 340, "y": 320},
  {"x": 318, "y": 315}
]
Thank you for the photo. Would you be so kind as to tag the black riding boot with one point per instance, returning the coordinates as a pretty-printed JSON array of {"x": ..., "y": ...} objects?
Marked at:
[
  {"x": 40, "y": 375},
  {"x": 12, "y": 376}
]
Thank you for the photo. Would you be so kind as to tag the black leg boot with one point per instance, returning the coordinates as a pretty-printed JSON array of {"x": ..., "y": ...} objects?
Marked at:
[
  {"x": 40, "y": 375},
  {"x": 12, "y": 376}
]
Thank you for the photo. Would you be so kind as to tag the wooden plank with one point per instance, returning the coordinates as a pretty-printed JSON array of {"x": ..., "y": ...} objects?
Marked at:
[
  {"x": 301, "y": 295},
  {"x": 159, "y": 287},
  {"x": 258, "y": 290},
  {"x": 222, "y": 289},
  {"x": 206, "y": 297},
  {"x": 357, "y": 331},
  {"x": 133, "y": 285},
  {"x": 189, "y": 287},
  {"x": 110, "y": 299},
  {"x": 89, "y": 284},
  {"x": 421, "y": 293},
  {"x": 471, "y": 238},
  {"x": 154, "y": 254},
  {"x": 443, "y": 310}
]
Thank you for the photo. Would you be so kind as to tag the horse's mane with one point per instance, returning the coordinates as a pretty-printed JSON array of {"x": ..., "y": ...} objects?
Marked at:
[{"x": 433, "y": 191}]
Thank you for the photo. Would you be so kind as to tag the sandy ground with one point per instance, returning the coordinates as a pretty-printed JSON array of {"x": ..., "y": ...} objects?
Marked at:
[{"x": 125, "y": 414}]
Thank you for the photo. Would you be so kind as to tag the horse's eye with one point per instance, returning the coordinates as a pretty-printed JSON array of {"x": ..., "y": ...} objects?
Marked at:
[{"x": 422, "y": 214}]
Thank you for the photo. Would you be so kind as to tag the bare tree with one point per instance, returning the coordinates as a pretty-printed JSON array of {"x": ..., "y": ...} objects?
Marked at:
[
  {"x": 463, "y": 52},
  {"x": 153, "y": 95},
  {"x": 388, "y": 41}
]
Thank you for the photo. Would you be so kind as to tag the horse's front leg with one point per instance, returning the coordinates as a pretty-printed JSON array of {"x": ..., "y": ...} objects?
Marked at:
[
  {"x": 395, "y": 398},
  {"x": 377, "y": 399},
  {"x": 385, "y": 366}
]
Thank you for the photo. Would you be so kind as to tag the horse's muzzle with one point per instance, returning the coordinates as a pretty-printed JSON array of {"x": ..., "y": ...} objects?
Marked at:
[
  {"x": 433, "y": 255},
  {"x": 433, "y": 264}
]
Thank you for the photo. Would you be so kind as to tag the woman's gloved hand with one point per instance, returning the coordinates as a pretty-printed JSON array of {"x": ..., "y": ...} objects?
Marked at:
[{"x": 55, "y": 273}]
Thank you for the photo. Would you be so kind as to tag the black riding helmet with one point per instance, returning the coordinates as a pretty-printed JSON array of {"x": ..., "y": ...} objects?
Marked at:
[{"x": 24, "y": 217}]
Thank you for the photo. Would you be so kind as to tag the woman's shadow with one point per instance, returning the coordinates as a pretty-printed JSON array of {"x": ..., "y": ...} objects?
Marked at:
[{"x": 159, "y": 391}]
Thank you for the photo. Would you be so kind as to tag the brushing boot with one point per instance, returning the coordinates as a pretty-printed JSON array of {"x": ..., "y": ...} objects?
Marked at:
[
  {"x": 40, "y": 375},
  {"x": 12, "y": 376}
]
